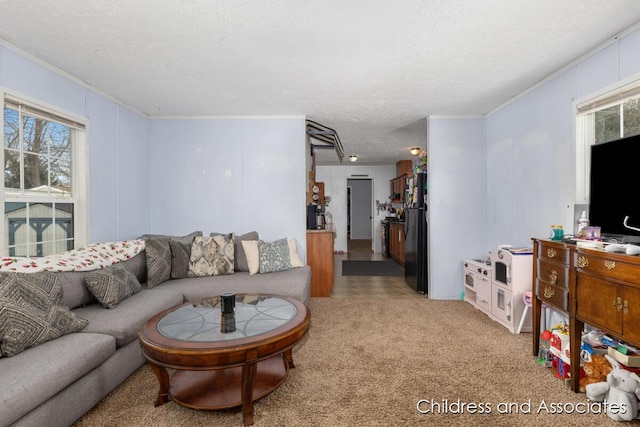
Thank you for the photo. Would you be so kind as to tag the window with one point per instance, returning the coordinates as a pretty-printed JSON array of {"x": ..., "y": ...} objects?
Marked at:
[
  {"x": 44, "y": 186},
  {"x": 611, "y": 116}
]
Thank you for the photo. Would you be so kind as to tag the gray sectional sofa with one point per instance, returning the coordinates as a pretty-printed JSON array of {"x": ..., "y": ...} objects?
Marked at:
[{"x": 56, "y": 382}]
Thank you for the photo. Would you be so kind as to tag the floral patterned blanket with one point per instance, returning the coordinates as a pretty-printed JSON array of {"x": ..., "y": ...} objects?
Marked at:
[{"x": 92, "y": 257}]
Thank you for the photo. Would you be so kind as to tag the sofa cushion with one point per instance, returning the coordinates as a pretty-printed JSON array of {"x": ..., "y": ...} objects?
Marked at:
[
  {"x": 41, "y": 372},
  {"x": 211, "y": 256},
  {"x": 112, "y": 285},
  {"x": 294, "y": 283},
  {"x": 274, "y": 256},
  {"x": 137, "y": 265},
  {"x": 74, "y": 291},
  {"x": 123, "y": 321},
  {"x": 31, "y": 311}
]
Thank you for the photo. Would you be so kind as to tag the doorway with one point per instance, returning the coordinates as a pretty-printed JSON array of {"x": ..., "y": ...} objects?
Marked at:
[{"x": 359, "y": 215}]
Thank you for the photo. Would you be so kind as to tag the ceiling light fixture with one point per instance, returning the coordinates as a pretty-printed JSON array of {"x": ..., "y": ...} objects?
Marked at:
[
  {"x": 415, "y": 151},
  {"x": 353, "y": 158}
]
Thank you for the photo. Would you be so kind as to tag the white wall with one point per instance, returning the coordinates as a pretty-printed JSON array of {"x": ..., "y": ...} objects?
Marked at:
[
  {"x": 531, "y": 146},
  {"x": 118, "y": 144},
  {"x": 176, "y": 176},
  {"x": 335, "y": 185},
  {"x": 229, "y": 175},
  {"x": 456, "y": 200}
]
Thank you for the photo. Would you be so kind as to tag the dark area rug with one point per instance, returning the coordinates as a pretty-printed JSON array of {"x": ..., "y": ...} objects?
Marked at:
[{"x": 371, "y": 268}]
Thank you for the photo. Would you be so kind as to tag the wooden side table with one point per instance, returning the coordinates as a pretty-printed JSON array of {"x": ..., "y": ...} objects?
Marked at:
[{"x": 320, "y": 259}]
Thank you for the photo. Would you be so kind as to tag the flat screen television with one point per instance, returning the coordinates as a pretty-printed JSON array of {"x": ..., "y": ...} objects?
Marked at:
[{"x": 613, "y": 186}]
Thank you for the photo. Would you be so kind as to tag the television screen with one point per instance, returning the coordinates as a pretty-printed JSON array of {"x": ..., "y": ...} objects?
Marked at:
[{"x": 614, "y": 192}]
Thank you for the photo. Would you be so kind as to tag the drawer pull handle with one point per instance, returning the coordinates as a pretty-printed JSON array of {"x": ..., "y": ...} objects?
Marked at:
[
  {"x": 610, "y": 264},
  {"x": 583, "y": 262},
  {"x": 553, "y": 277},
  {"x": 551, "y": 253},
  {"x": 625, "y": 307},
  {"x": 548, "y": 292},
  {"x": 618, "y": 304}
]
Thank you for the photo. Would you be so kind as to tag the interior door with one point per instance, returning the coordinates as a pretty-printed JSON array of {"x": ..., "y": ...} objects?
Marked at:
[{"x": 361, "y": 206}]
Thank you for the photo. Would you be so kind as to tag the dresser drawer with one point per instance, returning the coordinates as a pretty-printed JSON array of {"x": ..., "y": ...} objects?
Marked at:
[
  {"x": 554, "y": 252},
  {"x": 552, "y": 295},
  {"x": 612, "y": 267},
  {"x": 553, "y": 274}
]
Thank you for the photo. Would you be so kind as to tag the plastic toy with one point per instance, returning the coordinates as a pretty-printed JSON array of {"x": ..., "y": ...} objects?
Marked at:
[
  {"x": 544, "y": 355},
  {"x": 622, "y": 388},
  {"x": 595, "y": 371}
]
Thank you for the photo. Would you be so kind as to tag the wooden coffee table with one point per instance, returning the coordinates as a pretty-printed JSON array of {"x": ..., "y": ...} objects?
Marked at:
[{"x": 222, "y": 361}]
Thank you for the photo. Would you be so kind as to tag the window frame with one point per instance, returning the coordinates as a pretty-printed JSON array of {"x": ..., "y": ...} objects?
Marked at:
[
  {"x": 584, "y": 126},
  {"x": 79, "y": 166}
]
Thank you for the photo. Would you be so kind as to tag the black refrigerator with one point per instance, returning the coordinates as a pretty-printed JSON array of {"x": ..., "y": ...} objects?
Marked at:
[{"x": 415, "y": 241}]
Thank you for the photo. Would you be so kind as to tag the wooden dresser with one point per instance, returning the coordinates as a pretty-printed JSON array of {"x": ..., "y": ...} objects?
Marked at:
[
  {"x": 591, "y": 286},
  {"x": 320, "y": 259}
]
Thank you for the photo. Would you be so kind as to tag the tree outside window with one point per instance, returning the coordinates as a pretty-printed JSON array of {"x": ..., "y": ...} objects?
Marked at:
[{"x": 38, "y": 194}]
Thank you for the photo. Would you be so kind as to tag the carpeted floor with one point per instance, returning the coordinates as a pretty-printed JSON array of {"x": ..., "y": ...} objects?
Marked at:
[
  {"x": 371, "y": 268},
  {"x": 369, "y": 361}
]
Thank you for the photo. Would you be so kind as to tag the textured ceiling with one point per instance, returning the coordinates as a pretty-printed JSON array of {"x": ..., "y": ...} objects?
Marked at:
[{"x": 373, "y": 70}]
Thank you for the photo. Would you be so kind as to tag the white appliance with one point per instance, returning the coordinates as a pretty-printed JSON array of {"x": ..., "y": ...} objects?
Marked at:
[
  {"x": 512, "y": 270},
  {"x": 477, "y": 284}
]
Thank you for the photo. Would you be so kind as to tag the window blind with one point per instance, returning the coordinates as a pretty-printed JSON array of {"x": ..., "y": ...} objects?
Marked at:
[
  {"x": 618, "y": 96},
  {"x": 41, "y": 113}
]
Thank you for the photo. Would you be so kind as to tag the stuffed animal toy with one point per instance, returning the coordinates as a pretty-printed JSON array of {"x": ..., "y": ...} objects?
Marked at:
[
  {"x": 622, "y": 389},
  {"x": 595, "y": 371}
]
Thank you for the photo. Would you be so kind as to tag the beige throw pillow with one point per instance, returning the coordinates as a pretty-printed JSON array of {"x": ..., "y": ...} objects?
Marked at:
[
  {"x": 253, "y": 255},
  {"x": 293, "y": 254}
]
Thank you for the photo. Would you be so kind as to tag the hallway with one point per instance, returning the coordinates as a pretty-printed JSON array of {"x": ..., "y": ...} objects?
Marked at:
[{"x": 372, "y": 286}]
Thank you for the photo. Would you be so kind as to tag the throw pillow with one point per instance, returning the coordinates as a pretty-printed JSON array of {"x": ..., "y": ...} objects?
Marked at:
[
  {"x": 239, "y": 257},
  {"x": 250, "y": 248},
  {"x": 240, "y": 262},
  {"x": 211, "y": 256},
  {"x": 274, "y": 256},
  {"x": 159, "y": 255},
  {"x": 41, "y": 288},
  {"x": 158, "y": 261},
  {"x": 31, "y": 312},
  {"x": 112, "y": 285},
  {"x": 180, "y": 255},
  {"x": 293, "y": 254}
]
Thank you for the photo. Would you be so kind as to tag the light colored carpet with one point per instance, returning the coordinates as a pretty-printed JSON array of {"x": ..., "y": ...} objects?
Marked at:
[{"x": 368, "y": 361}]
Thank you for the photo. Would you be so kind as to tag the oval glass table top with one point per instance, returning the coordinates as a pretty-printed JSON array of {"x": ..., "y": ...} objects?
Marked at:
[{"x": 203, "y": 320}]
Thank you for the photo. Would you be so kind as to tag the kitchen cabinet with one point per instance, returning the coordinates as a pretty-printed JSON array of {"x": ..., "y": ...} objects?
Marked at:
[
  {"x": 320, "y": 259},
  {"x": 397, "y": 188},
  {"x": 399, "y": 183},
  {"x": 592, "y": 287},
  {"x": 396, "y": 242},
  {"x": 403, "y": 167}
]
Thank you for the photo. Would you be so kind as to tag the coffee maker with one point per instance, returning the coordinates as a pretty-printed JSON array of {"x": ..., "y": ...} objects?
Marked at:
[
  {"x": 315, "y": 217},
  {"x": 312, "y": 217}
]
